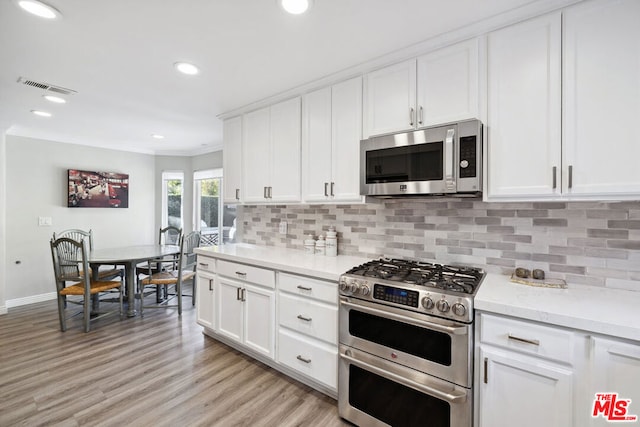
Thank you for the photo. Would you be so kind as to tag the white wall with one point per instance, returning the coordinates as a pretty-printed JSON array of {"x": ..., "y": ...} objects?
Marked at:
[
  {"x": 36, "y": 173},
  {"x": 3, "y": 186}
]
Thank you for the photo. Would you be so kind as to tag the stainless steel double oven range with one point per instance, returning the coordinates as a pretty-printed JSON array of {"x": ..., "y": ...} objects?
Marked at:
[{"x": 406, "y": 344}]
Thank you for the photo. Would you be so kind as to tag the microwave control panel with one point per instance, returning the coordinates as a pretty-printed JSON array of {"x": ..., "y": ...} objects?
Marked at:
[{"x": 468, "y": 158}]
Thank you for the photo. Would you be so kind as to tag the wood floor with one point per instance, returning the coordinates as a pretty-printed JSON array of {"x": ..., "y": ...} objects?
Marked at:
[{"x": 159, "y": 370}]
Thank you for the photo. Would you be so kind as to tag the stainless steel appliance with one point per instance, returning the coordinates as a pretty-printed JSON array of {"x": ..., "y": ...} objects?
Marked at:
[
  {"x": 406, "y": 344},
  {"x": 443, "y": 160}
]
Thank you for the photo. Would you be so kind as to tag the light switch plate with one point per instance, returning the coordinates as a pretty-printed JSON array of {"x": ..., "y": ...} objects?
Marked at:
[
  {"x": 283, "y": 227},
  {"x": 44, "y": 221}
]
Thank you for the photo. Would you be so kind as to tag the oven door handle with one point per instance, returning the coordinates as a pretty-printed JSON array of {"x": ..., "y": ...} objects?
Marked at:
[
  {"x": 451, "y": 398},
  {"x": 461, "y": 330}
]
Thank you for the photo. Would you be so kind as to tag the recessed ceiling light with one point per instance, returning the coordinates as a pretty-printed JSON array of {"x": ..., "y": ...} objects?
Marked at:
[
  {"x": 295, "y": 7},
  {"x": 186, "y": 68},
  {"x": 156, "y": 136},
  {"x": 40, "y": 9},
  {"x": 41, "y": 113},
  {"x": 55, "y": 99}
]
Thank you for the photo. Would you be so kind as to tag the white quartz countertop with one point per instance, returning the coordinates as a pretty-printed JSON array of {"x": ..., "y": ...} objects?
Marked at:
[
  {"x": 588, "y": 308},
  {"x": 282, "y": 259}
]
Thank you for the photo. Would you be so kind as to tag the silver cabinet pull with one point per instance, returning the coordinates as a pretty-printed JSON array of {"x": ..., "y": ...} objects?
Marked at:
[
  {"x": 332, "y": 185},
  {"x": 555, "y": 173},
  {"x": 210, "y": 284},
  {"x": 306, "y": 319},
  {"x": 486, "y": 375},
  {"x": 326, "y": 192},
  {"x": 241, "y": 274},
  {"x": 411, "y": 116},
  {"x": 302, "y": 359},
  {"x": 524, "y": 340},
  {"x": 243, "y": 295},
  {"x": 420, "y": 117},
  {"x": 304, "y": 288},
  {"x": 570, "y": 176},
  {"x": 237, "y": 194},
  {"x": 202, "y": 264},
  {"x": 264, "y": 192},
  {"x": 270, "y": 192},
  {"x": 238, "y": 294}
]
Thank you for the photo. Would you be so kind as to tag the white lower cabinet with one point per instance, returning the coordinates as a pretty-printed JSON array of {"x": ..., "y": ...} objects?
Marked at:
[
  {"x": 246, "y": 314},
  {"x": 533, "y": 374},
  {"x": 205, "y": 303},
  {"x": 309, "y": 357},
  {"x": 518, "y": 390}
]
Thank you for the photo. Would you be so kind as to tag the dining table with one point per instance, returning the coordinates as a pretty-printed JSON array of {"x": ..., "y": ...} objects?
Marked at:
[{"x": 129, "y": 257}]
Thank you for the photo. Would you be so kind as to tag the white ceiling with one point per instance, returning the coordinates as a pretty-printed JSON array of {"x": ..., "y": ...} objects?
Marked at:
[{"x": 118, "y": 55}]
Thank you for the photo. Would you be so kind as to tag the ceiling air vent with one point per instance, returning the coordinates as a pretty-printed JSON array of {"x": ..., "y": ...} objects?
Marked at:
[{"x": 46, "y": 86}]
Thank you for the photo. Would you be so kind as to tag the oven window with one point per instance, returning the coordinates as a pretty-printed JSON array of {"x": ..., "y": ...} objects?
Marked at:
[
  {"x": 420, "y": 162},
  {"x": 393, "y": 403},
  {"x": 421, "y": 342}
]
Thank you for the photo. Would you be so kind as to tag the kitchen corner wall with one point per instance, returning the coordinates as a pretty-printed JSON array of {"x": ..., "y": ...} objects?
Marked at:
[{"x": 589, "y": 243}]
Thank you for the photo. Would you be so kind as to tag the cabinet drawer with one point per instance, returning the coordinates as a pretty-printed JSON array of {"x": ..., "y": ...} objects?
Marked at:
[
  {"x": 304, "y": 286},
  {"x": 248, "y": 273},
  {"x": 526, "y": 337},
  {"x": 313, "y": 359},
  {"x": 309, "y": 317},
  {"x": 206, "y": 264}
]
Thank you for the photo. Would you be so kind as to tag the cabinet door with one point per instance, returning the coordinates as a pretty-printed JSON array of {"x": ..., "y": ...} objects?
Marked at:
[
  {"x": 517, "y": 390},
  {"x": 602, "y": 97},
  {"x": 448, "y": 84},
  {"x": 524, "y": 109},
  {"x": 614, "y": 368},
  {"x": 259, "y": 319},
  {"x": 205, "y": 303},
  {"x": 255, "y": 155},
  {"x": 229, "y": 308},
  {"x": 232, "y": 159},
  {"x": 285, "y": 151},
  {"x": 316, "y": 145},
  {"x": 346, "y": 131},
  {"x": 390, "y": 99}
]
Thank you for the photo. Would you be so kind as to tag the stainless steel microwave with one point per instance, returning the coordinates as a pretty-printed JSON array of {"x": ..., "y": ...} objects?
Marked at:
[{"x": 442, "y": 160}]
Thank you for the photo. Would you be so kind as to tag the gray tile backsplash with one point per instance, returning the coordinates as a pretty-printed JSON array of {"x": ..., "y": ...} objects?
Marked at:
[{"x": 590, "y": 243}]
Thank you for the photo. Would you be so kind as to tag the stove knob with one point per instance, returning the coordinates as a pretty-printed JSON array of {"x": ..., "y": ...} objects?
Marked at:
[
  {"x": 364, "y": 290},
  {"x": 459, "y": 309},
  {"x": 353, "y": 287},
  {"x": 427, "y": 303},
  {"x": 343, "y": 284},
  {"x": 442, "y": 306}
]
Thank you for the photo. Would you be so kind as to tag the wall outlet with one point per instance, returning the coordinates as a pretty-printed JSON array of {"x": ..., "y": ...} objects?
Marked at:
[
  {"x": 44, "y": 221},
  {"x": 283, "y": 227}
]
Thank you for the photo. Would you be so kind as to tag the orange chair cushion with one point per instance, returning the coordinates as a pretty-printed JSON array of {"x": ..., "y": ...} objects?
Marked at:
[
  {"x": 78, "y": 288},
  {"x": 167, "y": 278}
]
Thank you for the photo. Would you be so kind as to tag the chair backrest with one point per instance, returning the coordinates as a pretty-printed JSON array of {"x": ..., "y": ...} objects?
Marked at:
[
  {"x": 77, "y": 235},
  {"x": 170, "y": 235},
  {"x": 69, "y": 260},
  {"x": 187, "y": 244}
]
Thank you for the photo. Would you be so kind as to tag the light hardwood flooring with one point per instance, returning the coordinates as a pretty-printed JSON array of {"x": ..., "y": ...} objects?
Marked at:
[{"x": 159, "y": 370}]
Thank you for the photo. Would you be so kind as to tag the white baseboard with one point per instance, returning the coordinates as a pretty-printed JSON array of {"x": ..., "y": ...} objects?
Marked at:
[
  {"x": 3, "y": 309},
  {"x": 30, "y": 300}
]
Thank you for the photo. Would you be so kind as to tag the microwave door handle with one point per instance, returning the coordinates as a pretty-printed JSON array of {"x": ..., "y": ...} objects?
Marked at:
[{"x": 449, "y": 159}]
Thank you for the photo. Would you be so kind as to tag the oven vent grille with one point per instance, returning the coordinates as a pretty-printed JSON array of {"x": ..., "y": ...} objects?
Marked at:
[{"x": 46, "y": 86}]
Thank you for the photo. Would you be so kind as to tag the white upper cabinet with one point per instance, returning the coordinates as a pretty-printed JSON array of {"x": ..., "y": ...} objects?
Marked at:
[
  {"x": 332, "y": 123},
  {"x": 602, "y": 98},
  {"x": 448, "y": 84},
  {"x": 390, "y": 99},
  {"x": 563, "y": 100},
  {"x": 271, "y": 153},
  {"x": 439, "y": 87},
  {"x": 232, "y": 159},
  {"x": 523, "y": 115}
]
